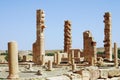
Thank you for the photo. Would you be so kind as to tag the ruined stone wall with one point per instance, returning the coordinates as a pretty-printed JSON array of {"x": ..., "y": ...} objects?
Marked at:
[
  {"x": 38, "y": 46},
  {"x": 89, "y": 48}
]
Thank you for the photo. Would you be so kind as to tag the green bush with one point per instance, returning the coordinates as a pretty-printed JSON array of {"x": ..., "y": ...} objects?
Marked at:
[
  {"x": 49, "y": 54},
  {"x": 100, "y": 52},
  {"x": 4, "y": 53},
  {"x": 19, "y": 58},
  {"x": 119, "y": 53}
]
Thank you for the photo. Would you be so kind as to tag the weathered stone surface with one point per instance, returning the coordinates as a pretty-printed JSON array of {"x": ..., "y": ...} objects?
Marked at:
[
  {"x": 115, "y": 55},
  {"x": 103, "y": 73},
  {"x": 24, "y": 58},
  {"x": 94, "y": 71},
  {"x": 49, "y": 65},
  {"x": 108, "y": 36},
  {"x": 13, "y": 60},
  {"x": 73, "y": 67},
  {"x": 100, "y": 61},
  {"x": 113, "y": 73},
  {"x": 58, "y": 58},
  {"x": 74, "y": 55},
  {"x": 85, "y": 74},
  {"x": 38, "y": 46},
  {"x": 67, "y": 36},
  {"x": 89, "y": 48}
]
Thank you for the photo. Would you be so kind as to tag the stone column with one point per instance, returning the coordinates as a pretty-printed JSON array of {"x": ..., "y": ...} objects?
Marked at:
[
  {"x": 116, "y": 55},
  {"x": 38, "y": 46},
  {"x": 13, "y": 60},
  {"x": 72, "y": 57},
  {"x": 73, "y": 67},
  {"x": 49, "y": 65},
  {"x": 43, "y": 59},
  {"x": 55, "y": 58},
  {"x": 58, "y": 60},
  {"x": 108, "y": 36},
  {"x": 24, "y": 58},
  {"x": 78, "y": 54},
  {"x": 67, "y": 36}
]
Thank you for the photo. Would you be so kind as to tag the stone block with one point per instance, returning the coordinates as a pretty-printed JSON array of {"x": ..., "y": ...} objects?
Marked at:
[
  {"x": 103, "y": 73},
  {"x": 114, "y": 73}
]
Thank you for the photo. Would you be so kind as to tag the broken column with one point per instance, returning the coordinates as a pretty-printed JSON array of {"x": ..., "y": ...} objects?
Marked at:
[
  {"x": 13, "y": 60},
  {"x": 38, "y": 46},
  {"x": 43, "y": 60},
  {"x": 116, "y": 55},
  {"x": 67, "y": 36},
  {"x": 108, "y": 36},
  {"x": 58, "y": 59},
  {"x": 24, "y": 58},
  {"x": 72, "y": 57},
  {"x": 55, "y": 58},
  {"x": 73, "y": 67},
  {"x": 49, "y": 65},
  {"x": 89, "y": 48}
]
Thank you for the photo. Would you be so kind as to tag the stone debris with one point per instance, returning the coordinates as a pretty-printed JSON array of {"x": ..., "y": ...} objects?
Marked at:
[{"x": 103, "y": 73}]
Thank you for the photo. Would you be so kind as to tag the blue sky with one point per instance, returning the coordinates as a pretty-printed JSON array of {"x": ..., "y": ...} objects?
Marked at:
[{"x": 18, "y": 21}]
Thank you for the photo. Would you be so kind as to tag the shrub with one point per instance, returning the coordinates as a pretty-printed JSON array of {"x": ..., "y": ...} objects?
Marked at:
[{"x": 49, "y": 54}]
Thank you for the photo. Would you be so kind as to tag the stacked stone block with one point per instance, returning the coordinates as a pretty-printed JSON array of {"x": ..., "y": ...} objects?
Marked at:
[
  {"x": 67, "y": 36},
  {"x": 108, "y": 36},
  {"x": 89, "y": 48},
  {"x": 38, "y": 46}
]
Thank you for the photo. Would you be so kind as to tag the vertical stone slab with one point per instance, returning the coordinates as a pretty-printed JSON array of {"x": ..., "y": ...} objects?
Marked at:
[
  {"x": 13, "y": 60},
  {"x": 108, "y": 36},
  {"x": 67, "y": 36},
  {"x": 78, "y": 54},
  {"x": 116, "y": 55}
]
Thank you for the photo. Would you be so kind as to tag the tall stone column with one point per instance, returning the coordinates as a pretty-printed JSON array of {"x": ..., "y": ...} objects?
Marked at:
[
  {"x": 38, "y": 46},
  {"x": 13, "y": 60},
  {"x": 116, "y": 55},
  {"x": 67, "y": 36},
  {"x": 108, "y": 36}
]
